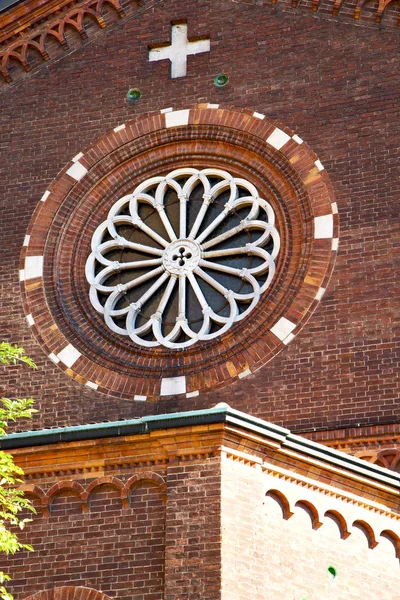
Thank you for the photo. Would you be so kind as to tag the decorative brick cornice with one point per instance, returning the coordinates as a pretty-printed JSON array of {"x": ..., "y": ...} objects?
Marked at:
[
  {"x": 166, "y": 440},
  {"x": 98, "y": 468},
  {"x": 30, "y": 26},
  {"x": 379, "y": 444},
  {"x": 330, "y": 491},
  {"x": 349, "y": 513},
  {"x": 83, "y": 493},
  {"x": 349, "y": 10}
]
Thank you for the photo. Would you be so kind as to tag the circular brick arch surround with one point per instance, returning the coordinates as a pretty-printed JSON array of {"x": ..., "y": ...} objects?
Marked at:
[
  {"x": 55, "y": 293},
  {"x": 69, "y": 593}
]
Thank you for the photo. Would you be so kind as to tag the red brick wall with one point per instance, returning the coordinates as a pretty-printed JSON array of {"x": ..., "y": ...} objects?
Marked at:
[
  {"x": 193, "y": 531},
  {"x": 99, "y": 544},
  {"x": 330, "y": 81}
]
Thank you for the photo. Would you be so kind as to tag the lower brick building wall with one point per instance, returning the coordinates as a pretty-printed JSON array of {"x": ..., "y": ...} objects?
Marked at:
[
  {"x": 278, "y": 545},
  {"x": 140, "y": 533},
  {"x": 297, "y": 558},
  {"x": 205, "y": 512},
  {"x": 101, "y": 543}
]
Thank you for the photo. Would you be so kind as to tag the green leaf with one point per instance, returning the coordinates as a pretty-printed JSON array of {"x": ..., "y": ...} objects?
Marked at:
[{"x": 12, "y": 354}]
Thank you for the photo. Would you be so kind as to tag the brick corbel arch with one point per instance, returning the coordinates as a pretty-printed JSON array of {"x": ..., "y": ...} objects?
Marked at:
[
  {"x": 69, "y": 593},
  {"x": 145, "y": 476}
]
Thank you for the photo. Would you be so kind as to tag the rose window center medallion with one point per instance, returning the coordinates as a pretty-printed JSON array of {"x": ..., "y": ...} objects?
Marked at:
[{"x": 182, "y": 258}]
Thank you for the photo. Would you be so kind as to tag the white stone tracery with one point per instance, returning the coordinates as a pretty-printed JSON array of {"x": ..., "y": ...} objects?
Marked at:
[{"x": 193, "y": 257}]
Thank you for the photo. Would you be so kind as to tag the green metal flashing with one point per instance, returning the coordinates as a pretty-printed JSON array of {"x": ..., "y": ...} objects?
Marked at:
[
  {"x": 302, "y": 447},
  {"x": 111, "y": 429}
]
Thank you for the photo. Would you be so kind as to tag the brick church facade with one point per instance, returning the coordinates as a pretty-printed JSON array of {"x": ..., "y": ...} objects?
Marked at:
[{"x": 200, "y": 251}]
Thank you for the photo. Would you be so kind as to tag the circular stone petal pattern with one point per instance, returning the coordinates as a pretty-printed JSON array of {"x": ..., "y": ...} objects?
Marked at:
[
  {"x": 172, "y": 303},
  {"x": 228, "y": 225}
]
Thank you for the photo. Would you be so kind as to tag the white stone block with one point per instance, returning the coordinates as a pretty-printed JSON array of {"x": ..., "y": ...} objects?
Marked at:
[
  {"x": 166, "y": 110},
  {"x": 278, "y": 138},
  {"x": 69, "y": 355},
  {"x": 45, "y": 196},
  {"x": 283, "y": 328},
  {"x": 26, "y": 240},
  {"x": 77, "y": 171},
  {"x": 297, "y": 139},
  {"x": 320, "y": 293},
  {"x": 177, "y": 118},
  {"x": 54, "y": 358},
  {"x": 30, "y": 319},
  {"x": 140, "y": 398},
  {"x": 288, "y": 339},
  {"x": 334, "y": 208},
  {"x": 77, "y": 157},
  {"x": 319, "y": 165},
  {"x": 212, "y": 105},
  {"x": 21, "y": 275},
  {"x": 119, "y": 128},
  {"x": 258, "y": 115},
  {"x": 244, "y": 373},
  {"x": 33, "y": 267},
  {"x": 335, "y": 244},
  {"x": 92, "y": 385},
  {"x": 323, "y": 227},
  {"x": 173, "y": 385},
  {"x": 192, "y": 394}
]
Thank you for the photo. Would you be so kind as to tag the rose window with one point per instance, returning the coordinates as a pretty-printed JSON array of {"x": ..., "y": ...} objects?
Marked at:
[{"x": 182, "y": 258}]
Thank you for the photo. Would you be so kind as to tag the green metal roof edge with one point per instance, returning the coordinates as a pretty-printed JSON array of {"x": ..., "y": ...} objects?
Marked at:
[{"x": 219, "y": 414}]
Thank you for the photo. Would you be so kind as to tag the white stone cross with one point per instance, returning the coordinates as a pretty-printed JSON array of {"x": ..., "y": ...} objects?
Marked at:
[{"x": 179, "y": 50}]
